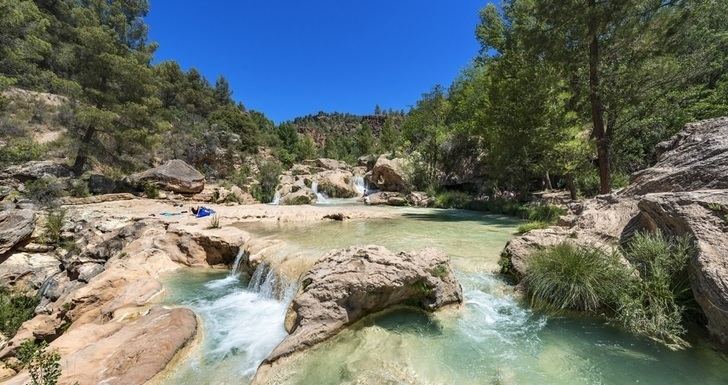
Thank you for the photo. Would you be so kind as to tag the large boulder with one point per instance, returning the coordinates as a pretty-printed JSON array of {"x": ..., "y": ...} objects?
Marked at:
[
  {"x": 703, "y": 215},
  {"x": 390, "y": 175},
  {"x": 16, "y": 226},
  {"x": 175, "y": 175},
  {"x": 38, "y": 169},
  {"x": 26, "y": 272},
  {"x": 301, "y": 196},
  {"x": 386, "y": 198},
  {"x": 694, "y": 159},
  {"x": 337, "y": 184},
  {"x": 331, "y": 164},
  {"x": 348, "y": 284}
]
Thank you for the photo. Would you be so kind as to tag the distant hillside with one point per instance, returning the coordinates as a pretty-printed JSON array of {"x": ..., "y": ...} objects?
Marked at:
[{"x": 323, "y": 125}]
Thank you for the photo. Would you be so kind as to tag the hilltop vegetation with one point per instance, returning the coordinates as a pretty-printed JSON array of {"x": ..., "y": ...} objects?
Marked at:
[{"x": 561, "y": 95}]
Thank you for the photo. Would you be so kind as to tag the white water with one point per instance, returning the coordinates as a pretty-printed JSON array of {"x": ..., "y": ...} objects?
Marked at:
[
  {"x": 242, "y": 322},
  {"x": 276, "y": 198},
  {"x": 360, "y": 185},
  {"x": 320, "y": 197}
]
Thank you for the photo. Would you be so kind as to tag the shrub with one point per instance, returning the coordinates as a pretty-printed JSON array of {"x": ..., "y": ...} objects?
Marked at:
[
  {"x": 54, "y": 226},
  {"x": 151, "y": 190},
  {"x": 20, "y": 150},
  {"x": 654, "y": 304},
  {"x": 573, "y": 277},
  {"x": 44, "y": 191},
  {"x": 43, "y": 366},
  {"x": 452, "y": 200},
  {"x": 14, "y": 310},
  {"x": 544, "y": 212},
  {"x": 526, "y": 227},
  {"x": 78, "y": 188},
  {"x": 214, "y": 222},
  {"x": 265, "y": 190}
]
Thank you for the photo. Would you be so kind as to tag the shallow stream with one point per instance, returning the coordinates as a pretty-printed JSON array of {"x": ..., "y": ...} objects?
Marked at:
[{"x": 492, "y": 339}]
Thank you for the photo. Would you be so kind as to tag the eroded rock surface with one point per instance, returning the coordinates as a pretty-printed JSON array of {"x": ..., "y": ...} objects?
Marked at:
[
  {"x": 175, "y": 175},
  {"x": 694, "y": 159},
  {"x": 703, "y": 215},
  {"x": 348, "y": 284},
  {"x": 38, "y": 169},
  {"x": 390, "y": 175},
  {"x": 16, "y": 226}
]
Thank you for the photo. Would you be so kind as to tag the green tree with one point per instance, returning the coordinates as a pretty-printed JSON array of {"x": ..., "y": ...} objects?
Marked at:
[
  {"x": 365, "y": 141},
  {"x": 390, "y": 138},
  {"x": 231, "y": 119},
  {"x": 223, "y": 93}
]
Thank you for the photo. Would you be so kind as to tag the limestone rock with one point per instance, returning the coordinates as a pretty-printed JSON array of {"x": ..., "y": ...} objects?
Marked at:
[
  {"x": 337, "y": 184},
  {"x": 390, "y": 175},
  {"x": 37, "y": 169},
  {"x": 703, "y": 215},
  {"x": 16, "y": 226},
  {"x": 348, "y": 284},
  {"x": 386, "y": 198},
  {"x": 26, "y": 272},
  {"x": 420, "y": 199},
  {"x": 175, "y": 175},
  {"x": 694, "y": 159},
  {"x": 331, "y": 164},
  {"x": 302, "y": 196}
]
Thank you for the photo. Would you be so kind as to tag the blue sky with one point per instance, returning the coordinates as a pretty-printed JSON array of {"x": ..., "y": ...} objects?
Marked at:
[{"x": 288, "y": 58}]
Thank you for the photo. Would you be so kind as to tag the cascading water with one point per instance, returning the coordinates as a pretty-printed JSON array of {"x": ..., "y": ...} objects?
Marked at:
[
  {"x": 276, "y": 198},
  {"x": 360, "y": 185},
  {"x": 320, "y": 197}
]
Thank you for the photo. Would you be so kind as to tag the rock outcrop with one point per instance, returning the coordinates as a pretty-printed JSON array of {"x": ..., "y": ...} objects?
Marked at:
[
  {"x": 348, "y": 284},
  {"x": 38, "y": 169},
  {"x": 390, "y": 175},
  {"x": 26, "y": 272},
  {"x": 337, "y": 184},
  {"x": 331, "y": 178},
  {"x": 175, "y": 175},
  {"x": 302, "y": 196},
  {"x": 16, "y": 226},
  {"x": 694, "y": 159},
  {"x": 703, "y": 215}
]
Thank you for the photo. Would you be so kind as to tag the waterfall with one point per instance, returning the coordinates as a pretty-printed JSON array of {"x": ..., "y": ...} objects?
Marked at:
[
  {"x": 276, "y": 198},
  {"x": 268, "y": 284},
  {"x": 320, "y": 198},
  {"x": 238, "y": 260},
  {"x": 360, "y": 185}
]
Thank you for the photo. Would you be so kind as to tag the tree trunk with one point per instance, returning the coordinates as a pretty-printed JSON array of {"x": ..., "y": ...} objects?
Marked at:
[
  {"x": 547, "y": 180},
  {"x": 571, "y": 185},
  {"x": 82, "y": 154},
  {"x": 597, "y": 107}
]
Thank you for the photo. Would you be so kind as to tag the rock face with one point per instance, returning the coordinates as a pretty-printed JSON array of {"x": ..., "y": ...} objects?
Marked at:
[
  {"x": 122, "y": 354},
  {"x": 346, "y": 285},
  {"x": 26, "y": 272},
  {"x": 696, "y": 158},
  {"x": 337, "y": 184},
  {"x": 16, "y": 226},
  {"x": 175, "y": 175},
  {"x": 334, "y": 179},
  {"x": 37, "y": 169},
  {"x": 302, "y": 196},
  {"x": 703, "y": 215},
  {"x": 389, "y": 175}
]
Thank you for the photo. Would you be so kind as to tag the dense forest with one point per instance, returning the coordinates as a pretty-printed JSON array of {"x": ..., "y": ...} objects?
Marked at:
[{"x": 563, "y": 94}]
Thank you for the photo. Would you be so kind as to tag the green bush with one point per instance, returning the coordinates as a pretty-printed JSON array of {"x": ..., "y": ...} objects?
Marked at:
[
  {"x": 268, "y": 181},
  {"x": 21, "y": 150},
  {"x": 54, "y": 226},
  {"x": 452, "y": 200},
  {"x": 14, "y": 310},
  {"x": 78, "y": 188},
  {"x": 573, "y": 277},
  {"x": 544, "y": 212},
  {"x": 588, "y": 183},
  {"x": 44, "y": 191},
  {"x": 536, "y": 225},
  {"x": 43, "y": 366},
  {"x": 655, "y": 303},
  {"x": 151, "y": 190}
]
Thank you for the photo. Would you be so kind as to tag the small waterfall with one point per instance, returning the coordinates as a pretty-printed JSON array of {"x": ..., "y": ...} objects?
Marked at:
[
  {"x": 360, "y": 185},
  {"x": 320, "y": 198},
  {"x": 268, "y": 284},
  {"x": 276, "y": 198},
  {"x": 238, "y": 260}
]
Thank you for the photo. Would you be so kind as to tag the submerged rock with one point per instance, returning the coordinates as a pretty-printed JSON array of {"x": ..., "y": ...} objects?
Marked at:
[
  {"x": 175, "y": 175},
  {"x": 349, "y": 284},
  {"x": 16, "y": 226}
]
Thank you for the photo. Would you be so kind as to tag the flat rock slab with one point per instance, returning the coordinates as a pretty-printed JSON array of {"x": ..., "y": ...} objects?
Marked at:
[{"x": 120, "y": 353}]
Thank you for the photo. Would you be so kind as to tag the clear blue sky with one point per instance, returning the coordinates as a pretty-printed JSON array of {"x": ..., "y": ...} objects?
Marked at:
[{"x": 288, "y": 58}]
